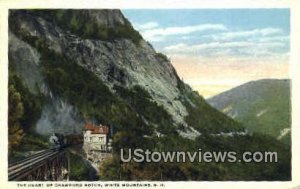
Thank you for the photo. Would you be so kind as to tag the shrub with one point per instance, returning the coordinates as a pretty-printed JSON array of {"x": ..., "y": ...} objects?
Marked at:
[
  {"x": 162, "y": 56},
  {"x": 73, "y": 21}
]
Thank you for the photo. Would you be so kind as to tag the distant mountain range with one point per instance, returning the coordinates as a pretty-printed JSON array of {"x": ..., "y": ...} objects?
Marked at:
[{"x": 263, "y": 106}]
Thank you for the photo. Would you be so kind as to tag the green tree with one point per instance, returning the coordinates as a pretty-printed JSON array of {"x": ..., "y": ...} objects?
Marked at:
[{"x": 15, "y": 113}]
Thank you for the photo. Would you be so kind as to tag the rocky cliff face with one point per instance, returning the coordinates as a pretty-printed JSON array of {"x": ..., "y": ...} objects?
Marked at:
[
  {"x": 25, "y": 59},
  {"x": 104, "y": 43}
]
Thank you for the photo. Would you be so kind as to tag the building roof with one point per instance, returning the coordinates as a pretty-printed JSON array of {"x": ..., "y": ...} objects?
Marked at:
[{"x": 101, "y": 129}]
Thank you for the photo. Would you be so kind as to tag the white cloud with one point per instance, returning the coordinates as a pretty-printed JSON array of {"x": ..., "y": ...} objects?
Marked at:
[
  {"x": 213, "y": 45},
  {"x": 260, "y": 42},
  {"x": 257, "y": 42},
  {"x": 161, "y": 33},
  {"x": 146, "y": 26},
  {"x": 238, "y": 48},
  {"x": 248, "y": 33},
  {"x": 275, "y": 38}
]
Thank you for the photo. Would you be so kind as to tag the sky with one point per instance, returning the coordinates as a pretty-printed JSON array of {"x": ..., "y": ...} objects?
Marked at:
[{"x": 214, "y": 50}]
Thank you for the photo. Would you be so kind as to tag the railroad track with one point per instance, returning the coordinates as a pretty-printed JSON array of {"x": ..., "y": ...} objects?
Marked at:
[{"x": 20, "y": 168}]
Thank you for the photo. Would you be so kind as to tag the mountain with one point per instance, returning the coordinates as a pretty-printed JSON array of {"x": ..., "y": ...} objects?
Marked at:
[
  {"x": 68, "y": 67},
  {"x": 107, "y": 51},
  {"x": 262, "y": 106}
]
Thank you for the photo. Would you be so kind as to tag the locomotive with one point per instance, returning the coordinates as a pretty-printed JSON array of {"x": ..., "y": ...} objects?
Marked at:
[
  {"x": 61, "y": 141},
  {"x": 57, "y": 140}
]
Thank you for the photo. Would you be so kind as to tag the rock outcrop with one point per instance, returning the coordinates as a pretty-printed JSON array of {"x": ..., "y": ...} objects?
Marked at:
[{"x": 108, "y": 47}]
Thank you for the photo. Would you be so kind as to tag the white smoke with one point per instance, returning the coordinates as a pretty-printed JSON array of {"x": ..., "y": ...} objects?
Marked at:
[{"x": 59, "y": 117}]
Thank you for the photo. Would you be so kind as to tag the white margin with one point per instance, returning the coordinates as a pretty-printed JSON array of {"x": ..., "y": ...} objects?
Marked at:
[{"x": 294, "y": 6}]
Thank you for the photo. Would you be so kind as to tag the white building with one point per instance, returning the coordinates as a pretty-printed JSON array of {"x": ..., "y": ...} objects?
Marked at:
[
  {"x": 96, "y": 143},
  {"x": 96, "y": 138}
]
